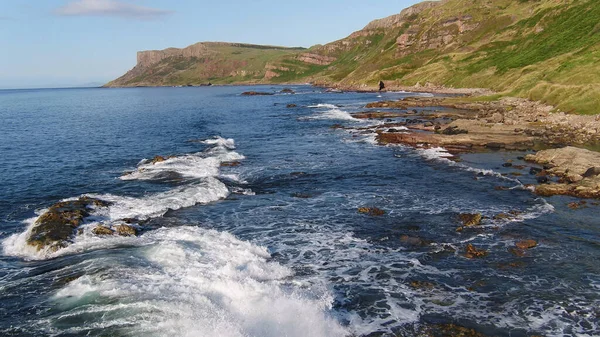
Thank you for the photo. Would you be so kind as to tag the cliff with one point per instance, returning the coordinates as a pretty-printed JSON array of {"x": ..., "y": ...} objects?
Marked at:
[
  {"x": 201, "y": 63},
  {"x": 545, "y": 50}
]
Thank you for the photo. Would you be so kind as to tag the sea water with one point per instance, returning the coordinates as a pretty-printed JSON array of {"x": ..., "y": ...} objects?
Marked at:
[{"x": 274, "y": 246}]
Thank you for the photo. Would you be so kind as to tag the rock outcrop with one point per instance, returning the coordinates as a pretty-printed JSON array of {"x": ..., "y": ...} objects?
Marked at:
[
  {"x": 576, "y": 168},
  {"x": 56, "y": 227},
  {"x": 316, "y": 59}
]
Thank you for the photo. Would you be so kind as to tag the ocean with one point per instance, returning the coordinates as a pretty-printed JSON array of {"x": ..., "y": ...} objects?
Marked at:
[{"x": 251, "y": 225}]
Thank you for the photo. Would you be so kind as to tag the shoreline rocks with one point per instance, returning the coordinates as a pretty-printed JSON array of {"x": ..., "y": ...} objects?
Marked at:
[
  {"x": 505, "y": 124},
  {"x": 576, "y": 168}
]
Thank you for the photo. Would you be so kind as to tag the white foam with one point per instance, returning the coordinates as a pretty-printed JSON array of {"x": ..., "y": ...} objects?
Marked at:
[
  {"x": 197, "y": 282},
  {"x": 442, "y": 155},
  {"x": 205, "y": 188},
  {"x": 329, "y": 106},
  {"x": 198, "y": 165},
  {"x": 209, "y": 190},
  {"x": 435, "y": 153},
  {"x": 335, "y": 114},
  {"x": 154, "y": 205},
  {"x": 220, "y": 141}
]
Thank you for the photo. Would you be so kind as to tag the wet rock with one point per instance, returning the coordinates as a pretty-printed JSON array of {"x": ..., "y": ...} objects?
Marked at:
[
  {"x": 495, "y": 145},
  {"x": 526, "y": 244},
  {"x": 291, "y": 106},
  {"x": 449, "y": 330},
  {"x": 301, "y": 195},
  {"x": 256, "y": 93},
  {"x": 287, "y": 91},
  {"x": 470, "y": 220},
  {"x": 413, "y": 241},
  {"x": 231, "y": 164},
  {"x": 428, "y": 124},
  {"x": 454, "y": 130},
  {"x": 577, "y": 205},
  {"x": 125, "y": 230},
  {"x": 543, "y": 180},
  {"x": 372, "y": 211},
  {"x": 55, "y": 228},
  {"x": 471, "y": 252},
  {"x": 517, "y": 251},
  {"x": 591, "y": 172},
  {"x": 535, "y": 171},
  {"x": 157, "y": 159},
  {"x": 422, "y": 285},
  {"x": 102, "y": 230},
  {"x": 507, "y": 165}
]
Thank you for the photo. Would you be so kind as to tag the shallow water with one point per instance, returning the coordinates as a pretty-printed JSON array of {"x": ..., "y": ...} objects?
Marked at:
[{"x": 275, "y": 246}]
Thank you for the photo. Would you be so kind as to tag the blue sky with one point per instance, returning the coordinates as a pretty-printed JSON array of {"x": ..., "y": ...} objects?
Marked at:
[{"x": 73, "y": 42}]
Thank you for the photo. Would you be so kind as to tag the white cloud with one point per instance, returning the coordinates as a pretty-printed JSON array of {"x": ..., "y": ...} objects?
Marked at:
[{"x": 109, "y": 8}]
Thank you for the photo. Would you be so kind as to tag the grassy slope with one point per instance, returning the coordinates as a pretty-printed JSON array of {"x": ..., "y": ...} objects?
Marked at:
[{"x": 544, "y": 50}]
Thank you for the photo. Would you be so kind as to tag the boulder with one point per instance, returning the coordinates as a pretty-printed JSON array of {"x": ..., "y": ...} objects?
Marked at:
[
  {"x": 591, "y": 172},
  {"x": 56, "y": 227},
  {"x": 102, "y": 230},
  {"x": 287, "y": 91},
  {"x": 125, "y": 230}
]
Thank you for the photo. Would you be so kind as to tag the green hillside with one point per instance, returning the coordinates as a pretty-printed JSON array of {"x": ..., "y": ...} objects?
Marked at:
[{"x": 545, "y": 50}]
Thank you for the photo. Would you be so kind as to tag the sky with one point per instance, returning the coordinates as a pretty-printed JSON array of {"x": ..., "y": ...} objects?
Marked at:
[{"x": 57, "y": 43}]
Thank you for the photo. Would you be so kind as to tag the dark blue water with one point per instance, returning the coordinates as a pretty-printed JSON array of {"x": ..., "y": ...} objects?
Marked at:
[{"x": 275, "y": 246}]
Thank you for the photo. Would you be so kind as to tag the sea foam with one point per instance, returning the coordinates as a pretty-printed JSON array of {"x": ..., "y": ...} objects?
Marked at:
[
  {"x": 200, "y": 184},
  {"x": 196, "y": 282}
]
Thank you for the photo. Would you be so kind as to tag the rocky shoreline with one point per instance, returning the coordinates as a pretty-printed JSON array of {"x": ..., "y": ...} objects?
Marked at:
[{"x": 465, "y": 122}]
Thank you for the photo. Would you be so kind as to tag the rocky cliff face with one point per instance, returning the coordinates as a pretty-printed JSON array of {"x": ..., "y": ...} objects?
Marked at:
[
  {"x": 201, "y": 63},
  {"x": 151, "y": 57},
  {"x": 398, "y": 20}
]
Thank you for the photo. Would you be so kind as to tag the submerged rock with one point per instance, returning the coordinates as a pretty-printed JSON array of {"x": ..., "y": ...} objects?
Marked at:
[
  {"x": 470, "y": 220},
  {"x": 448, "y": 330},
  {"x": 55, "y": 228},
  {"x": 373, "y": 211},
  {"x": 291, "y": 106},
  {"x": 526, "y": 244},
  {"x": 256, "y": 93},
  {"x": 231, "y": 164},
  {"x": 471, "y": 252}
]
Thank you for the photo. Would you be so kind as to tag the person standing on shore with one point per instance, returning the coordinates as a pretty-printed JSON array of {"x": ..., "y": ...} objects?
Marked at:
[{"x": 381, "y": 85}]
